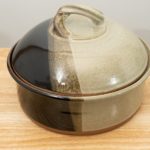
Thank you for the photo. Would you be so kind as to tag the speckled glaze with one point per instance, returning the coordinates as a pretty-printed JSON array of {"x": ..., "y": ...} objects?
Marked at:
[
  {"x": 80, "y": 72},
  {"x": 111, "y": 60}
]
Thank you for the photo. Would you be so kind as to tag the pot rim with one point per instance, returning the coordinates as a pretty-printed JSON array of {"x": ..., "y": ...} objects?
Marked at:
[{"x": 71, "y": 97}]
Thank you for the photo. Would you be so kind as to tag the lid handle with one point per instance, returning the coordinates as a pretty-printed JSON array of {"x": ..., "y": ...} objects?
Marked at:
[{"x": 64, "y": 12}]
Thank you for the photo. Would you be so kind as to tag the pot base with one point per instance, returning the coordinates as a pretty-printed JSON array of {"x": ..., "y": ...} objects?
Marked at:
[{"x": 84, "y": 133}]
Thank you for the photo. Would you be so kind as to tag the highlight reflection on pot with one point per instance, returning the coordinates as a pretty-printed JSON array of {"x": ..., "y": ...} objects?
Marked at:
[{"x": 84, "y": 75}]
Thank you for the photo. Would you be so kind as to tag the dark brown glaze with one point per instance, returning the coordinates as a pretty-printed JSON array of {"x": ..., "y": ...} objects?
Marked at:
[
  {"x": 34, "y": 61},
  {"x": 90, "y": 133},
  {"x": 55, "y": 115},
  {"x": 48, "y": 111},
  {"x": 30, "y": 57}
]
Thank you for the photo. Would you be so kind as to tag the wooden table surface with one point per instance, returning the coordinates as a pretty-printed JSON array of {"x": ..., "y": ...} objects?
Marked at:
[{"x": 18, "y": 132}]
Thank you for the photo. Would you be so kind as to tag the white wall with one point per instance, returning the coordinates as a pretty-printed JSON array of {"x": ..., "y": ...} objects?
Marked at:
[{"x": 18, "y": 16}]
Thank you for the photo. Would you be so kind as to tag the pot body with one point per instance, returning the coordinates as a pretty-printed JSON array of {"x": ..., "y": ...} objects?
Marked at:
[
  {"x": 80, "y": 117},
  {"x": 79, "y": 84}
]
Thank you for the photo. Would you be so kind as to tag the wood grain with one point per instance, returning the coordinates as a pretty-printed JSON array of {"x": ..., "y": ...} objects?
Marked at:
[{"x": 18, "y": 132}]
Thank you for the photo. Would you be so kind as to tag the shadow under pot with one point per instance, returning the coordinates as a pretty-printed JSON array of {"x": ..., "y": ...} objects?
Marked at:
[{"x": 79, "y": 72}]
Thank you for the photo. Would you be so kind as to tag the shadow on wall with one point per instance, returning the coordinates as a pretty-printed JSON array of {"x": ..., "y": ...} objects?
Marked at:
[
  {"x": 5, "y": 40},
  {"x": 144, "y": 34}
]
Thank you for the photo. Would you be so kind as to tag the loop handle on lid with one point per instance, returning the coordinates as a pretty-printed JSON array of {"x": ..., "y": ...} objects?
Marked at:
[{"x": 64, "y": 12}]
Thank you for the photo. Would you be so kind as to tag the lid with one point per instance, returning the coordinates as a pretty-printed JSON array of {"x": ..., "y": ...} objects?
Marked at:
[{"x": 80, "y": 52}]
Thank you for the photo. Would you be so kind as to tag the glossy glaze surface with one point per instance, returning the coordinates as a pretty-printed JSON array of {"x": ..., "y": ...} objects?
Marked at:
[
  {"x": 80, "y": 85},
  {"x": 111, "y": 60},
  {"x": 80, "y": 117},
  {"x": 30, "y": 57}
]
